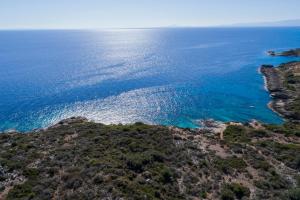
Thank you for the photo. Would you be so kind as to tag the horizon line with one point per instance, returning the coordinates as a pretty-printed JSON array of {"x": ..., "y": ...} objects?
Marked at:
[{"x": 158, "y": 27}]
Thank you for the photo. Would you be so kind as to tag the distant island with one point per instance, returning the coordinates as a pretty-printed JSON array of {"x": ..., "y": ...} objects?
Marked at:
[
  {"x": 282, "y": 23},
  {"x": 79, "y": 159}
]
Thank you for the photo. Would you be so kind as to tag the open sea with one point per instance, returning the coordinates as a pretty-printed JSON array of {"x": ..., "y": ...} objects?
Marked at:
[{"x": 174, "y": 76}]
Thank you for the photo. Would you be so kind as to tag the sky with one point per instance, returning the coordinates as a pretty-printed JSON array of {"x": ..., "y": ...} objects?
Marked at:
[{"x": 94, "y": 14}]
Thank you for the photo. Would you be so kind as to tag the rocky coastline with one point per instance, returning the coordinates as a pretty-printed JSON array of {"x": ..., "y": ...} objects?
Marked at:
[{"x": 283, "y": 83}]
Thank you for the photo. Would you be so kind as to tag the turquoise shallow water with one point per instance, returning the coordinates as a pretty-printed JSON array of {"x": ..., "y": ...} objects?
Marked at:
[{"x": 159, "y": 76}]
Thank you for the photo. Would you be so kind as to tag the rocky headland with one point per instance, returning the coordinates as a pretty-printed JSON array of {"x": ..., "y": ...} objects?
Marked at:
[
  {"x": 283, "y": 83},
  {"x": 80, "y": 159},
  {"x": 292, "y": 52}
]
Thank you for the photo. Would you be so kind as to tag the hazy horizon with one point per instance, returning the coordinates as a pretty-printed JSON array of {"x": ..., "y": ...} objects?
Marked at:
[
  {"x": 93, "y": 14},
  {"x": 263, "y": 24}
]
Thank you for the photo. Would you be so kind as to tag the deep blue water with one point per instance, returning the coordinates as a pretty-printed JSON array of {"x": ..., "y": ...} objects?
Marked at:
[{"x": 160, "y": 76}]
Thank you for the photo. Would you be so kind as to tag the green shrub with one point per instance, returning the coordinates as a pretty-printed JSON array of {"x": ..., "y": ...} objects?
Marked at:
[
  {"x": 293, "y": 194},
  {"x": 272, "y": 181},
  {"x": 235, "y": 133},
  {"x": 2, "y": 188},
  {"x": 259, "y": 133},
  {"x": 239, "y": 190},
  {"x": 262, "y": 164},
  {"x": 229, "y": 164},
  {"x": 137, "y": 161},
  {"x": 73, "y": 183},
  {"x": 98, "y": 179},
  {"x": 203, "y": 195},
  {"x": 166, "y": 176},
  {"x": 230, "y": 191},
  {"x": 31, "y": 173},
  {"x": 23, "y": 191},
  {"x": 11, "y": 164},
  {"x": 287, "y": 128},
  {"x": 286, "y": 153},
  {"x": 227, "y": 194}
]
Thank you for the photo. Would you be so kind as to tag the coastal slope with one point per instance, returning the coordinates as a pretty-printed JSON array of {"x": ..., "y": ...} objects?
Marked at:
[{"x": 78, "y": 159}]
